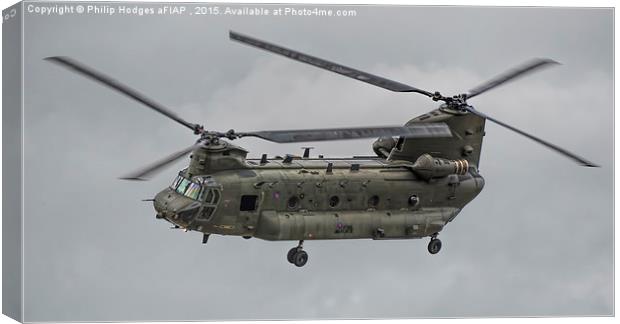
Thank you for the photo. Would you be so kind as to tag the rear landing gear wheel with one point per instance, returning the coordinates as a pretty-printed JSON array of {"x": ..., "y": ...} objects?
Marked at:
[
  {"x": 300, "y": 258},
  {"x": 434, "y": 246},
  {"x": 297, "y": 255}
]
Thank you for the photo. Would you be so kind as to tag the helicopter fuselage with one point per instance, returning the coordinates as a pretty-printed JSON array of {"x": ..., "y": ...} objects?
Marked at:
[{"x": 296, "y": 198}]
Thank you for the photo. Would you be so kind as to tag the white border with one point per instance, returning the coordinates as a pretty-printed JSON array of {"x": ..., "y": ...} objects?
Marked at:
[{"x": 505, "y": 3}]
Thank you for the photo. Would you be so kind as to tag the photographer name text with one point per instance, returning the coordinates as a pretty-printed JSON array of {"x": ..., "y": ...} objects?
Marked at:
[{"x": 182, "y": 10}]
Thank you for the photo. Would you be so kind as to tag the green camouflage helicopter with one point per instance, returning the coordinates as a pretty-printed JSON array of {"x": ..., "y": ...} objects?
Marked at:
[{"x": 422, "y": 176}]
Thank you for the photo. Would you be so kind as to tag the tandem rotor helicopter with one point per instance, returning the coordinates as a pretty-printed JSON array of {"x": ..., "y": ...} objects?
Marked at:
[{"x": 421, "y": 177}]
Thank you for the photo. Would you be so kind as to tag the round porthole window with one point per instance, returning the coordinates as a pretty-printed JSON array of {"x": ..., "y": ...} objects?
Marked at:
[
  {"x": 334, "y": 201},
  {"x": 413, "y": 201},
  {"x": 293, "y": 202},
  {"x": 373, "y": 201}
]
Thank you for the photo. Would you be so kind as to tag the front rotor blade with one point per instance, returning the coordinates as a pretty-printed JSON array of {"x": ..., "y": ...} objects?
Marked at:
[
  {"x": 327, "y": 65},
  {"x": 331, "y": 134},
  {"x": 147, "y": 172},
  {"x": 86, "y": 71},
  {"x": 510, "y": 75},
  {"x": 554, "y": 147}
]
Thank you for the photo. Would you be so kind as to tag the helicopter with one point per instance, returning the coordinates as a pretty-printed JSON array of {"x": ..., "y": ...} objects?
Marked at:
[{"x": 421, "y": 177}]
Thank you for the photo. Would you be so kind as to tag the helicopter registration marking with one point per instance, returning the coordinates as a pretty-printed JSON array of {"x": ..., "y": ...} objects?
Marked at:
[
  {"x": 226, "y": 227},
  {"x": 343, "y": 228}
]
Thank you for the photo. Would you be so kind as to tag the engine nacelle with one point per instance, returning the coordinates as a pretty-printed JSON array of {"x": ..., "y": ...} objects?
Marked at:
[{"x": 427, "y": 167}]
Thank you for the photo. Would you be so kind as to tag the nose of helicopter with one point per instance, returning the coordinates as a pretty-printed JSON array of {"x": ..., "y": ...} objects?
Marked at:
[{"x": 175, "y": 208}]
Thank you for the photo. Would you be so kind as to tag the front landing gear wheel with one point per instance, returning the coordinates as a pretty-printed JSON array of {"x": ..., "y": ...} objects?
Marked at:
[
  {"x": 434, "y": 246},
  {"x": 300, "y": 258},
  {"x": 290, "y": 256}
]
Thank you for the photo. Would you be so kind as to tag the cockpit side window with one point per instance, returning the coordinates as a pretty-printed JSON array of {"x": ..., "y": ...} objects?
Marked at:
[
  {"x": 212, "y": 196},
  {"x": 207, "y": 212},
  {"x": 209, "y": 198}
]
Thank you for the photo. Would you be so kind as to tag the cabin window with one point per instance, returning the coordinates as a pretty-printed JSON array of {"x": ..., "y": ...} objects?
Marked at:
[
  {"x": 293, "y": 202},
  {"x": 334, "y": 201},
  {"x": 413, "y": 201},
  {"x": 373, "y": 201},
  {"x": 248, "y": 203}
]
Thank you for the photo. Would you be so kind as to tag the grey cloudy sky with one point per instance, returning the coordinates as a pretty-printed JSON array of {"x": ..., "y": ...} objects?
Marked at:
[{"x": 536, "y": 242}]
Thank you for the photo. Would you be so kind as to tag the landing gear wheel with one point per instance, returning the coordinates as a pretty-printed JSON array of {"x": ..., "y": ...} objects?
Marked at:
[
  {"x": 297, "y": 255},
  {"x": 300, "y": 258},
  {"x": 290, "y": 256},
  {"x": 434, "y": 246}
]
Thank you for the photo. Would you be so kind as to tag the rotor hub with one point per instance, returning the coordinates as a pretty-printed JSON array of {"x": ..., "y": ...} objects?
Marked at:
[{"x": 198, "y": 129}]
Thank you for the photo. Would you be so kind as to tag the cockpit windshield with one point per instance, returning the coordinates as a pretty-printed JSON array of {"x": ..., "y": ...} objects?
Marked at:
[
  {"x": 202, "y": 188},
  {"x": 187, "y": 187}
]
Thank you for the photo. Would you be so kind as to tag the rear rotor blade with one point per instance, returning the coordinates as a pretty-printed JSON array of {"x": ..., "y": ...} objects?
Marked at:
[
  {"x": 327, "y": 65},
  {"x": 330, "y": 134},
  {"x": 147, "y": 172},
  {"x": 510, "y": 75},
  {"x": 86, "y": 71},
  {"x": 554, "y": 147}
]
